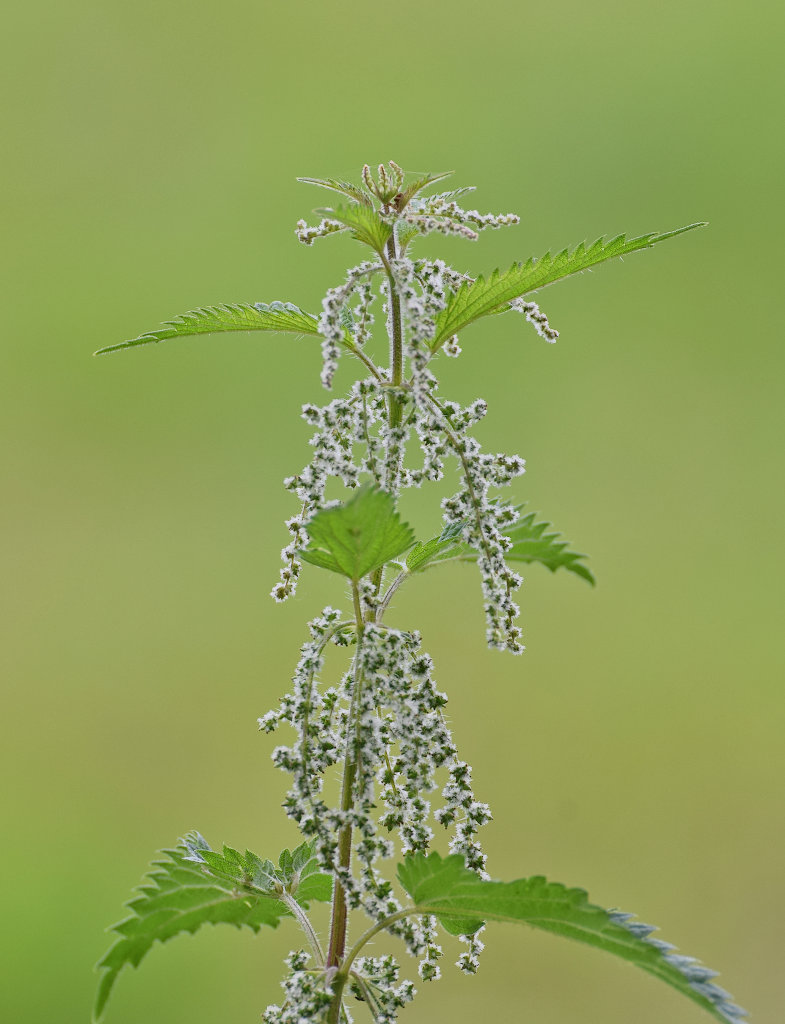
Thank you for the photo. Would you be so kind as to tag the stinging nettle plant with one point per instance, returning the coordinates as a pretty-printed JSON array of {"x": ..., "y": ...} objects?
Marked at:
[{"x": 380, "y": 730}]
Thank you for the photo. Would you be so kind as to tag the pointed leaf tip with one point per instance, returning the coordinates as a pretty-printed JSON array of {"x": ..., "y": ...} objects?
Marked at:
[
  {"x": 484, "y": 297},
  {"x": 458, "y": 897},
  {"x": 238, "y": 316}
]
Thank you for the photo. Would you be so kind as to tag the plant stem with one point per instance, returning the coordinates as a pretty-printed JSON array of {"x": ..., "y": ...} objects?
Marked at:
[
  {"x": 305, "y": 924},
  {"x": 396, "y": 336},
  {"x": 335, "y": 955},
  {"x": 356, "y": 351},
  {"x": 394, "y": 402},
  {"x": 339, "y": 912},
  {"x": 383, "y": 605},
  {"x": 366, "y": 937}
]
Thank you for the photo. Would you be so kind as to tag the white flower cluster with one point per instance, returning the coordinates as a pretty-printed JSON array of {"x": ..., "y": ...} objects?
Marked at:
[
  {"x": 536, "y": 318},
  {"x": 441, "y": 213},
  {"x": 399, "y": 685},
  {"x": 483, "y": 519},
  {"x": 337, "y": 425},
  {"x": 306, "y": 234},
  {"x": 312, "y": 714},
  {"x": 469, "y": 961},
  {"x": 308, "y": 994},
  {"x": 335, "y": 321},
  {"x": 374, "y": 980},
  {"x": 387, "y": 722},
  {"x": 422, "y": 298},
  {"x": 442, "y": 429},
  {"x": 340, "y": 426}
]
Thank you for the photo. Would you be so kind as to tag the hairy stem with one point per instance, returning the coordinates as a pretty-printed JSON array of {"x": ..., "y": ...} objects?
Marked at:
[
  {"x": 305, "y": 924},
  {"x": 384, "y": 603},
  {"x": 395, "y": 403},
  {"x": 366, "y": 937},
  {"x": 367, "y": 994},
  {"x": 339, "y": 910},
  {"x": 396, "y": 339},
  {"x": 357, "y": 351}
]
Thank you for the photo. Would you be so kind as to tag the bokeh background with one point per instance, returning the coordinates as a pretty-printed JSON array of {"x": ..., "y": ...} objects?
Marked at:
[{"x": 636, "y": 749}]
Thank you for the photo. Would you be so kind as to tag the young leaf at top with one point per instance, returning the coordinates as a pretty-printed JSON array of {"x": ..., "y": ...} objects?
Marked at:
[
  {"x": 299, "y": 872},
  {"x": 364, "y": 223},
  {"x": 420, "y": 183},
  {"x": 485, "y": 296},
  {"x": 460, "y": 899},
  {"x": 239, "y": 316},
  {"x": 530, "y": 543},
  {"x": 195, "y": 885},
  {"x": 358, "y": 536},
  {"x": 344, "y": 187}
]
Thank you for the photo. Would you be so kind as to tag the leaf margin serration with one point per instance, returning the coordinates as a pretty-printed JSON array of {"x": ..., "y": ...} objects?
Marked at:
[
  {"x": 228, "y": 316},
  {"x": 487, "y": 295},
  {"x": 617, "y": 932},
  {"x": 244, "y": 901}
]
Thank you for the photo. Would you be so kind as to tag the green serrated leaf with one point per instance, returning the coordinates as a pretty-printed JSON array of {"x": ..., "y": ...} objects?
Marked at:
[
  {"x": 301, "y": 855},
  {"x": 193, "y": 886},
  {"x": 443, "y": 197},
  {"x": 458, "y": 897},
  {"x": 423, "y": 554},
  {"x": 364, "y": 223},
  {"x": 406, "y": 235},
  {"x": 273, "y": 316},
  {"x": 530, "y": 543},
  {"x": 308, "y": 881},
  {"x": 358, "y": 536},
  {"x": 420, "y": 183},
  {"x": 285, "y": 862},
  {"x": 346, "y": 188},
  {"x": 491, "y": 295}
]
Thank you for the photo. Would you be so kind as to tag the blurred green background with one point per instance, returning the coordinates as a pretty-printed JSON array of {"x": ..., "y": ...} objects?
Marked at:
[{"x": 636, "y": 747}]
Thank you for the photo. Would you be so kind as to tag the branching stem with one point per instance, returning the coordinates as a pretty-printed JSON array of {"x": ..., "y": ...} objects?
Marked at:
[{"x": 374, "y": 930}]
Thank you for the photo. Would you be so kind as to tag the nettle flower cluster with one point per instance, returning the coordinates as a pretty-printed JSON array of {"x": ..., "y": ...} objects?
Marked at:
[
  {"x": 385, "y": 718},
  {"x": 356, "y": 438}
]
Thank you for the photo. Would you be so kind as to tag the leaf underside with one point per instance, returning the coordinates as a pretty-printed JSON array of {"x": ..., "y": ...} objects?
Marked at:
[
  {"x": 491, "y": 295},
  {"x": 530, "y": 543},
  {"x": 359, "y": 535},
  {"x": 193, "y": 886},
  {"x": 462, "y": 902},
  {"x": 240, "y": 316}
]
